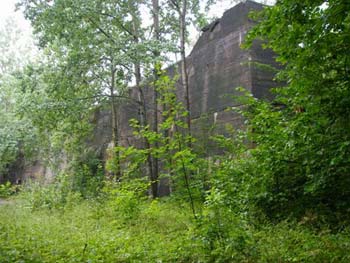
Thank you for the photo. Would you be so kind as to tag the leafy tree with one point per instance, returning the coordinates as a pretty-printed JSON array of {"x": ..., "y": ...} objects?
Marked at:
[
  {"x": 17, "y": 135},
  {"x": 89, "y": 45},
  {"x": 16, "y": 49},
  {"x": 180, "y": 164},
  {"x": 302, "y": 146}
]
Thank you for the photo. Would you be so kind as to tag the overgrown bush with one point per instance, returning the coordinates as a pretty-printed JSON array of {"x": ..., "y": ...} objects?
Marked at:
[
  {"x": 86, "y": 174},
  {"x": 160, "y": 231},
  {"x": 56, "y": 195},
  {"x": 302, "y": 139},
  {"x": 7, "y": 190},
  {"x": 125, "y": 199},
  {"x": 292, "y": 242},
  {"x": 225, "y": 234}
]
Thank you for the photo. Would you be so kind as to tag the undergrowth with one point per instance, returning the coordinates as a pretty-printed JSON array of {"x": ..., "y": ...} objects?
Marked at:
[{"x": 119, "y": 226}]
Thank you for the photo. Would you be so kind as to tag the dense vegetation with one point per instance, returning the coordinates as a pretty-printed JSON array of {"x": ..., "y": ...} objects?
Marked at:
[
  {"x": 279, "y": 191},
  {"x": 126, "y": 228}
]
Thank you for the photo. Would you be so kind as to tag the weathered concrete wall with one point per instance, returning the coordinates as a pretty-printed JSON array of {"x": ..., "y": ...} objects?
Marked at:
[
  {"x": 21, "y": 171},
  {"x": 216, "y": 66}
]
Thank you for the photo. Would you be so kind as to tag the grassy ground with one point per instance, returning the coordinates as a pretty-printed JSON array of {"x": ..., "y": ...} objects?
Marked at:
[
  {"x": 89, "y": 232},
  {"x": 153, "y": 231}
]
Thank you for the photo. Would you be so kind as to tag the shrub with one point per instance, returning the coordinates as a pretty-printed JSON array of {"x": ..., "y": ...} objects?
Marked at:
[
  {"x": 6, "y": 190},
  {"x": 125, "y": 198},
  {"x": 50, "y": 196},
  {"x": 225, "y": 234}
]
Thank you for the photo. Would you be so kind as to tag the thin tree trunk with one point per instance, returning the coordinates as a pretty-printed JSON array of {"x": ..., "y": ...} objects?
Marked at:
[
  {"x": 186, "y": 176},
  {"x": 155, "y": 176},
  {"x": 143, "y": 116},
  {"x": 184, "y": 75},
  {"x": 115, "y": 133}
]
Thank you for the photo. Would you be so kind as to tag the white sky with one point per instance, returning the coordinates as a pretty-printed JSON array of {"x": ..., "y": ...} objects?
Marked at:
[{"x": 7, "y": 9}]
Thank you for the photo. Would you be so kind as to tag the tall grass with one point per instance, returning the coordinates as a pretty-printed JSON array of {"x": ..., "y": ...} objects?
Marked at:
[{"x": 122, "y": 227}]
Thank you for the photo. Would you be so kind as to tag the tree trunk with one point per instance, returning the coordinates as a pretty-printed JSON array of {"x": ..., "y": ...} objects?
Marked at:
[
  {"x": 143, "y": 119},
  {"x": 115, "y": 133},
  {"x": 184, "y": 75},
  {"x": 143, "y": 116},
  {"x": 155, "y": 176}
]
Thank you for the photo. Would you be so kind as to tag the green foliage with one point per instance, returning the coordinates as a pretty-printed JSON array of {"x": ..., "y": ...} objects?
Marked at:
[
  {"x": 302, "y": 146},
  {"x": 270, "y": 196},
  {"x": 18, "y": 136},
  {"x": 288, "y": 242},
  {"x": 16, "y": 47},
  {"x": 58, "y": 195},
  {"x": 125, "y": 198},
  {"x": 224, "y": 233},
  {"x": 171, "y": 144},
  {"x": 133, "y": 161},
  {"x": 161, "y": 231},
  {"x": 91, "y": 231},
  {"x": 7, "y": 190},
  {"x": 86, "y": 175}
]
